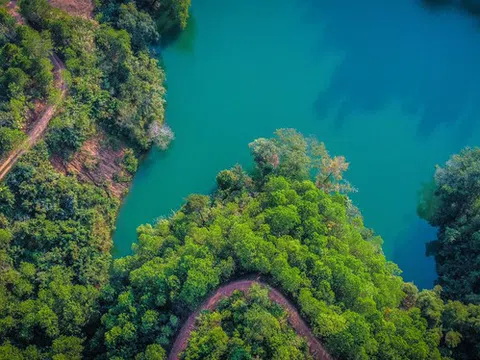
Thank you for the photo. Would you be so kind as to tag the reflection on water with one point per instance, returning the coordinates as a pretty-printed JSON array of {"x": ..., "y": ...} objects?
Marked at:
[
  {"x": 397, "y": 50},
  {"x": 186, "y": 42}
]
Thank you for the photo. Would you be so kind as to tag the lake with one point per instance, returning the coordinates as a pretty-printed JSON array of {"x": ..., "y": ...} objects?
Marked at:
[{"x": 392, "y": 85}]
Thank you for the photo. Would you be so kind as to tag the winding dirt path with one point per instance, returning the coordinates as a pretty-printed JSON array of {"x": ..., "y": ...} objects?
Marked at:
[
  {"x": 181, "y": 341},
  {"x": 43, "y": 118}
]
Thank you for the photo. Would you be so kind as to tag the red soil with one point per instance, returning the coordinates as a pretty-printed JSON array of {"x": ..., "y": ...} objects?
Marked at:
[
  {"x": 181, "y": 341},
  {"x": 106, "y": 164},
  {"x": 83, "y": 8}
]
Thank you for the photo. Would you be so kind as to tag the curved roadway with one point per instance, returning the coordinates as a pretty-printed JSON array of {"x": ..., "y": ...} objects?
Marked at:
[{"x": 294, "y": 318}]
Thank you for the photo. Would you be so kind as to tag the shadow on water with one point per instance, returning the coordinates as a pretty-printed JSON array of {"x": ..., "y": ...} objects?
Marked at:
[
  {"x": 399, "y": 51},
  {"x": 436, "y": 5},
  {"x": 419, "y": 268},
  {"x": 470, "y": 6},
  {"x": 181, "y": 40},
  {"x": 186, "y": 42}
]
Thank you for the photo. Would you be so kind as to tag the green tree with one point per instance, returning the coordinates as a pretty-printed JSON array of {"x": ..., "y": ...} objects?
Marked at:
[
  {"x": 139, "y": 25},
  {"x": 308, "y": 241},
  {"x": 10, "y": 139},
  {"x": 453, "y": 205},
  {"x": 245, "y": 326}
]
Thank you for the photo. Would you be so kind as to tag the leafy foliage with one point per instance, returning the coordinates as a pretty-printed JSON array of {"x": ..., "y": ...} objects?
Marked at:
[
  {"x": 306, "y": 240},
  {"x": 168, "y": 15},
  {"x": 56, "y": 289},
  {"x": 245, "y": 326},
  {"x": 453, "y": 205},
  {"x": 9, "y": 139},
  {"x": 290, "y": 153},
  {"x": 25, "y": 76},
  {"x": 54, "y": 255},
  {"x": 126, "y": 16},
  {"x": 110, "y": 84},
  {"x": 55, "y": 232}
]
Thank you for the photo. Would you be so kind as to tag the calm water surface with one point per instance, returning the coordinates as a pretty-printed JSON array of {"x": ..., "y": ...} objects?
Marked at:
[{"x": 392, "y": 85}]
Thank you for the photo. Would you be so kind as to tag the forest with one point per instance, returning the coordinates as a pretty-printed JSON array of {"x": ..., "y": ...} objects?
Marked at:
[
  {"x": 246, "y": 325},
  {"x": 111, "y": 85},
  {"x": 310, "y": 242},
  {"x": 55, "y": 230},
  {"x": 25, "y": 77},
  {"x": 290, "y": 220},
  {"x": 451, "y": 203}
]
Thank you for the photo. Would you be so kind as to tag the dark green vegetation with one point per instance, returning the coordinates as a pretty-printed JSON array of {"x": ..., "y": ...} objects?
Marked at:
[
  {"x": 55, "y": 246},
  {"x": 245, "y": 326},
  {"x": 57, "y": 291},
  {"x": 25, "y": 76},
  {"x": 111, "y": 85},
  {"x": 310, "y": 243},
  {"x": 152, "y": 18},
  {"x": 452, "y": 204},
  {"x": 55, "y": 232},
  {"x": 61, "y": 296}
]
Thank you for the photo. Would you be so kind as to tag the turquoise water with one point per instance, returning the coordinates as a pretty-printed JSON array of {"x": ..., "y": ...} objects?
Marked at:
[{"x": 393, "y": 86}]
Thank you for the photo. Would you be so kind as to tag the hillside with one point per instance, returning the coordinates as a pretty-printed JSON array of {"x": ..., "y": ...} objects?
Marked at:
[{"x": 275, "y": 263}]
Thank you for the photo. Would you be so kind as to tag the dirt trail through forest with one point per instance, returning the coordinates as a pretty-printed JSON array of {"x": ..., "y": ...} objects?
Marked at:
[
  {"x": 42, "y": 119},
  {"x": 181, "y": 341}
]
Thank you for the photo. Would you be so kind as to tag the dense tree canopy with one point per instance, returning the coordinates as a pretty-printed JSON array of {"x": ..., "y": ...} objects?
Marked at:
[
  {"x": 452, "y": 204},
  {"x": 55, "y": 232},
  {"x": 59, "y": 297},
  {"x": 310, "y": 243},
  {"x": 169, "y": 13},
  {"x": 62, "y": 296},
  {"x": 54, "y": 256},
  {"x": 126, "y": 16},
  {"x": 111, "y": 85},
  {"x": 25, "y": 76},
  {"x": 140, "y": 15},
  {"x": 245, "y": 326}
]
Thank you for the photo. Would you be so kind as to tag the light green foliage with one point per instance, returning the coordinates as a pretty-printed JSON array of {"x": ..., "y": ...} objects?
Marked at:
[
  {"x": 245, "y": 326},
  {"x": 307, "y": 241},
  {"x": 130, "y": 162},
  {"x": 55, "y": 233},
  {"x": 69, "y": 130},
  {"x": 25, "y": 69},
  {"x": 153, "y": 352},
  {"x": 291, "y": 155},
  {"x": 67, "y": 348},
  {"x": 283, "y": 219},
  {"x": 10, "y": 139}
]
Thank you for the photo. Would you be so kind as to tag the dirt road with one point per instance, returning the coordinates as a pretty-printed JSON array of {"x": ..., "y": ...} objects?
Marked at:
[
  {"x": 181, "y": 341},
  {"x": 13, "y": 10},
  {"x": 41, "y": 123}
]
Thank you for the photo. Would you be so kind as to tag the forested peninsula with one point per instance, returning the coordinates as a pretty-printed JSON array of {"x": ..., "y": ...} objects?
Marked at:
[{"x": 276, "y": 263}]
